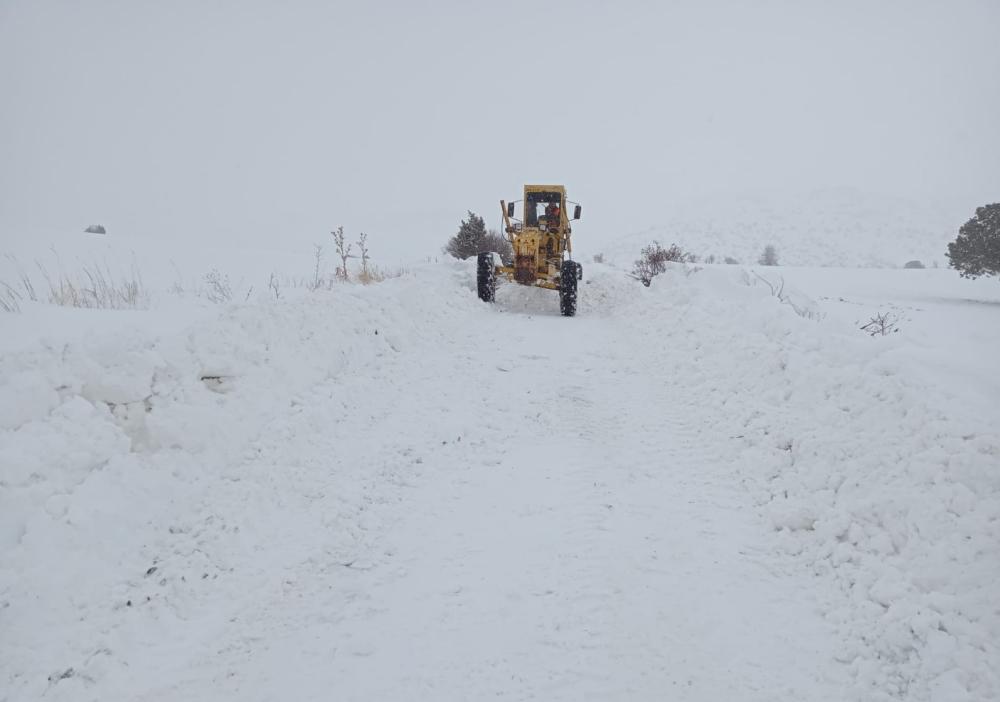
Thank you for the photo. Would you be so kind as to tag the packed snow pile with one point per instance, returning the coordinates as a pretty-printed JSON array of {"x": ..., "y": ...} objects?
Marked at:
[
  {"x": 165, "y": 472},
  {"x": 842, "y": 227},
  {"x": 116, "y": 428},
  {"x": 869, "y": 471}
]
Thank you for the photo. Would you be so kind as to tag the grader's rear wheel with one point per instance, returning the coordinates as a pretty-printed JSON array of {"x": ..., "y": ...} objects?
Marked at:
[
  {"x": 486, "y": 277},
  {"x": 567, "y": 288}
]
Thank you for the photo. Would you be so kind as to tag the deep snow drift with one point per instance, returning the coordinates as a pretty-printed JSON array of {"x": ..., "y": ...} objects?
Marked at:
[{"x": 695, "y": 491}]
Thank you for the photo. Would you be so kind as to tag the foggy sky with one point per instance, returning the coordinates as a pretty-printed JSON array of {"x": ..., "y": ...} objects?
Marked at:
[{"x": 274, "y": 122}]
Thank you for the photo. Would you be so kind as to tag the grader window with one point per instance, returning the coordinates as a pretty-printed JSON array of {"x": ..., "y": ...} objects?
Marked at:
[{"x": 536, "y": 204}]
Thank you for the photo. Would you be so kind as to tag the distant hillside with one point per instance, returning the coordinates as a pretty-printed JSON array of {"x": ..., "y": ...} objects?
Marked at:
[{"x": 840, "y": 227}]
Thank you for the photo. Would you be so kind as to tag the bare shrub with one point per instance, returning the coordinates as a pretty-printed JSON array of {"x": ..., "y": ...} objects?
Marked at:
[
  {"x": 317, "y": 280},
  {"x": 217, "y": 287},
  {"x": 654, "y": 258},
  {"x": 343, "y": 251},
  {"x": 363, "y": 248},
  {"x": 496, "y": 242},
  {"x": 777, "y": 289},
  {"x": 882, "y": 324},
  {"x": 801, "y": 305}
]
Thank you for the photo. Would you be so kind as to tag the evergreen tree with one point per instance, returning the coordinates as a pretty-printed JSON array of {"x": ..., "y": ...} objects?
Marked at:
[
  {"x": 469, "y": 238},
  {"x": 473, "y": 238},
  {"x": 769, "y": 257},
  {"x": 976, "y": 251}
]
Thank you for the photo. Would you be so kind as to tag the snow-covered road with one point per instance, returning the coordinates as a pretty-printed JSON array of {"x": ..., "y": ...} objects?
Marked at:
[
  {"x": 550, "y": 524},
  {"x": 401, "y": 493}
]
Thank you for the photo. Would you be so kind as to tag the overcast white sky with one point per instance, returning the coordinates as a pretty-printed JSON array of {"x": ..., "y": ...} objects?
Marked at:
[{"x": 276, "y": 121}]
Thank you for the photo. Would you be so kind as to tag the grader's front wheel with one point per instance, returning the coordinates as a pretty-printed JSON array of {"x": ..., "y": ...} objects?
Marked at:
[
  {"x": 567, "y": 287},
  {"x": 486, "y": 277}
]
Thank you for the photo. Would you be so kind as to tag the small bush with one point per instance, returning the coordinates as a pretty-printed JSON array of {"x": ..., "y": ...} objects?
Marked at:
[
  {"x": 97, "y": 288},
  {"x": 769, "y": 257},
  {"x": 882, "y": 324},
  {"x": 377, "y": 274},
  {"x": 367, "y": 274},
  {"x": 654, "y": 258},
  {"x": 217, "y": 287},
  {"x": 599, "y": 258},
  {"x": 729, "y": 260},
  {"x": 496, "y": 242}
]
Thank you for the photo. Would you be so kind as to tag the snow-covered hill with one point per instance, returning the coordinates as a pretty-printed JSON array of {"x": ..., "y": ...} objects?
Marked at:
[
  {"x": 842, "y": 227},
  {"x": 697, "y": 491}
]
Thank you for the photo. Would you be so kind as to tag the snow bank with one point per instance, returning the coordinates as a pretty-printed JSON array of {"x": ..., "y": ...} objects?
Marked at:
[
  {"x": 867, "y": 467},
  {"x": 114, "y": 432}
]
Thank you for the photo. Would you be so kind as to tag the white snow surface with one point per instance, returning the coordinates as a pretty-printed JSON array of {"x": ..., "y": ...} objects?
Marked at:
[{"x": 693, "y": 491}]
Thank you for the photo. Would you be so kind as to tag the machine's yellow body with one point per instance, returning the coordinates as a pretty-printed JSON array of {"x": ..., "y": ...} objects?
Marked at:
[
  {"x": 539, "y": 241},
  {"x": 541, "y": 244}
]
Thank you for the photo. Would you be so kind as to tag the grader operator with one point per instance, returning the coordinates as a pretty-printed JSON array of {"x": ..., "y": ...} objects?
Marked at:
[{"x": 543, "y": 253}]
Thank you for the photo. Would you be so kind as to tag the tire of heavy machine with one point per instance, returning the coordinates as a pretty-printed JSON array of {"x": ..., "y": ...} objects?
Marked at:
[
  {"x": 579, "y": 271},
  {"x": 567, "y": 288},
  {"x": 486, "y": 277}
]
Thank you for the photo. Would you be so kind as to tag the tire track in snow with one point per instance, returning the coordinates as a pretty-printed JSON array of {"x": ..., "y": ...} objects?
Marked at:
[
  {"x": 527, "y": 509},
  {"x": 581, "y": 540}
]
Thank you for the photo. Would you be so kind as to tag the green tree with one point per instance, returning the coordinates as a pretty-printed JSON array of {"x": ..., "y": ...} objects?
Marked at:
[
  {"x": 769, "y": 257},
  {"x": 467, "y": 240},
  {"x": 473, "y": 238},
  {"x": 976, "y": 251}
]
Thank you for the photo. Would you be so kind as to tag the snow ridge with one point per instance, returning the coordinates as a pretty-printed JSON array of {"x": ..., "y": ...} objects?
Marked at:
[{"x": 868, "y": 473}]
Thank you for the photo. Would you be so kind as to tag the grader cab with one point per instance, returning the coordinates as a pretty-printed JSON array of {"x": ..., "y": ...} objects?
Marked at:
[{"x": 542, "y": 247}]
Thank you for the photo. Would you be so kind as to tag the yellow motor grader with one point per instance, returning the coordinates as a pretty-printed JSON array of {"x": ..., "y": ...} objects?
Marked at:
[{"x": 543, "y": 254}]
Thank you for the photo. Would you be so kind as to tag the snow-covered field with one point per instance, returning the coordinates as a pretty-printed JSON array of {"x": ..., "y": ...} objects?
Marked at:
[
  {"x": 695, "y": 491},
  {"x": 825, "y": 227}
]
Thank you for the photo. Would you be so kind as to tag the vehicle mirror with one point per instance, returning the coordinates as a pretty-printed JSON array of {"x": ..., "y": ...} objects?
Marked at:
[
  {"x": 510, "y": 209},
  {"x": 576, "y": 212}
]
